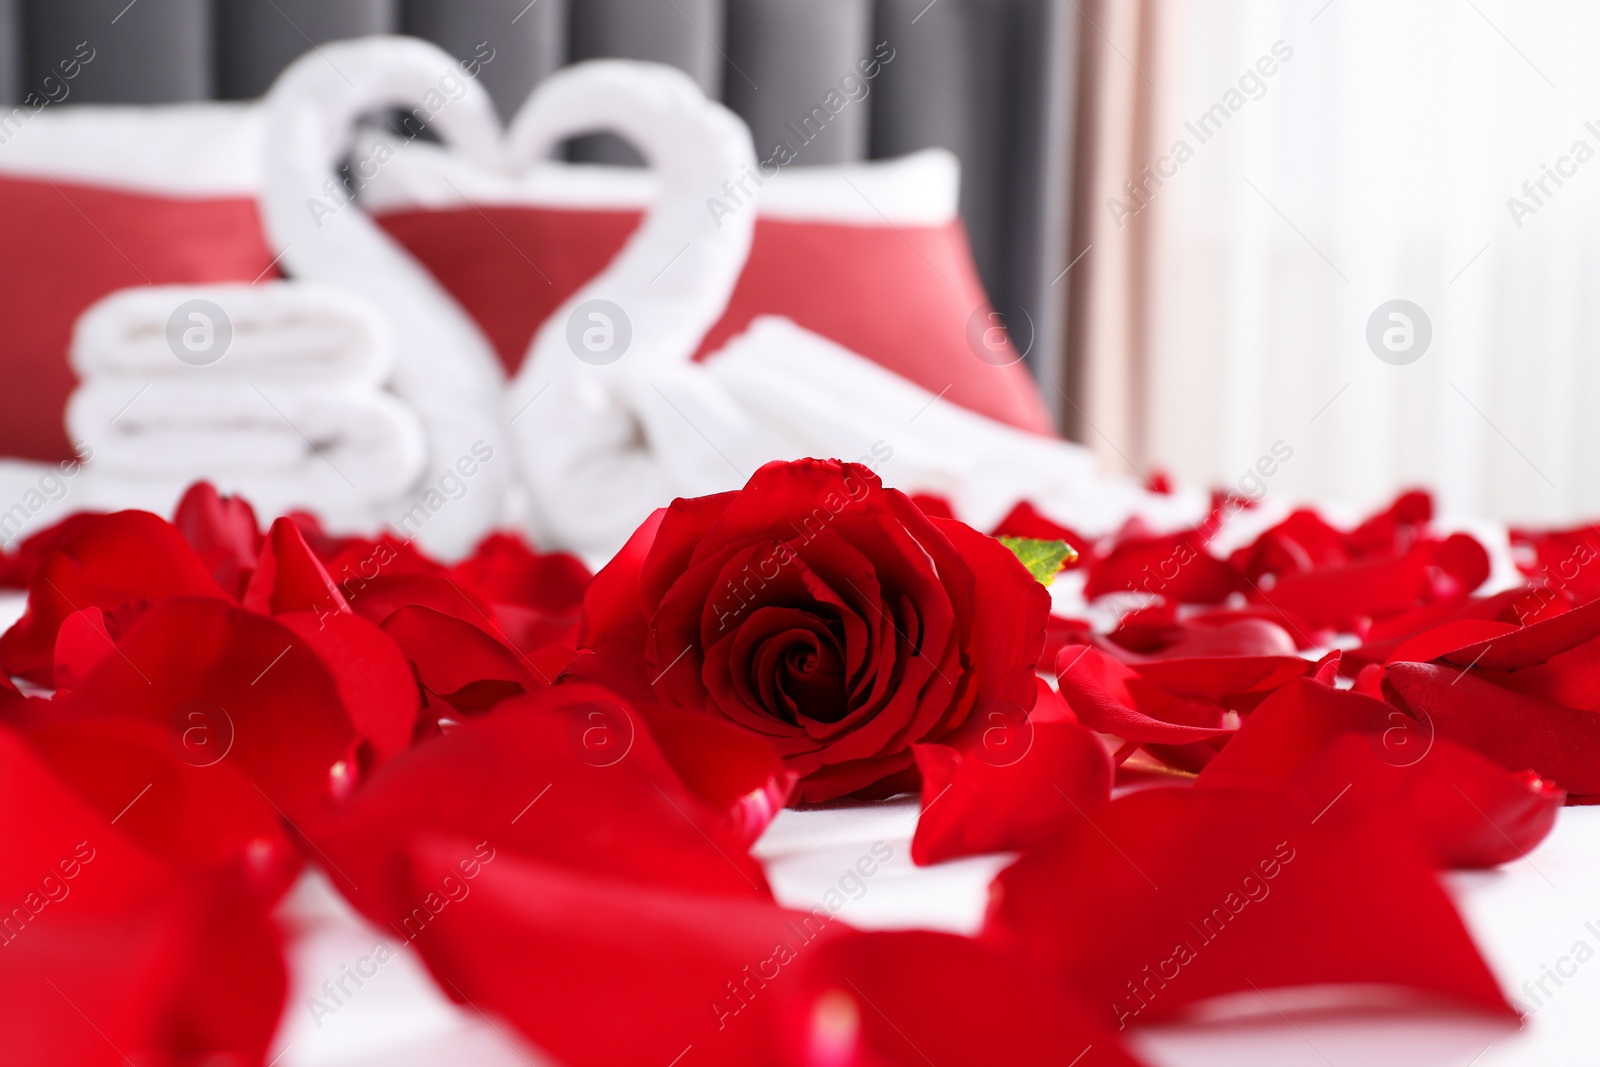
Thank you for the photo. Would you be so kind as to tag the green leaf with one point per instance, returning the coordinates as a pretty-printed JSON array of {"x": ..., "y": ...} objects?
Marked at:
[{"x": 1044, "y": 559}]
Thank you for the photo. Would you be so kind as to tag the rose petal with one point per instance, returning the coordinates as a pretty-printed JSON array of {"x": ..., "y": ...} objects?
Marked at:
[
  {"x": 18, "y": 567},
  {"x": 503, "y": 569},
  {"x": 1336, "y": 751},
  {"x": 909, "y": 998},
  {"x": 992, "y": 798},
  {"x": 1556, "y": 742},
  {"x": 1176, "y": 566},
  {"x": 202, "y": 817},
  {"x": 83, "y": 640},
  {"x": 289, "y": 577},
  {"x": 1344, "y": 597},
  {"x": 223, "y": 531},
  {"x": 106, "y": 563},
  {"x": 693, "y": 970},
  {"x": 1463, "y": 809},
  {"x": 1109, "y": 696},
  {"x": 456, "y": 661},
  {"x": 568, "y": 775},
  {"x": 372, "y": 675},
  {"x": 729, "y": 769},
  {"x": 197, "y": 968},
  {"x": 260, "y": 693},
  {"x": 1170, "y": 897}
]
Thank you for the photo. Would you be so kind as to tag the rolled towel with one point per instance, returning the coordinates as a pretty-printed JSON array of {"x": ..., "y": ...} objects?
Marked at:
[
  {"x": 275, "y": 391},
  {"x": 301, "y": 333},
  {"x": 360, "y": 442}
]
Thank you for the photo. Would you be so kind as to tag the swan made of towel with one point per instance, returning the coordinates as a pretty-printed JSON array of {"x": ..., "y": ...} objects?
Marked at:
[
  {"x": 274, "y": 390},
  {"x": 606, "y": 437},
  {"x": 444, "y": 368},
  {"x": 602, "y": 437}
]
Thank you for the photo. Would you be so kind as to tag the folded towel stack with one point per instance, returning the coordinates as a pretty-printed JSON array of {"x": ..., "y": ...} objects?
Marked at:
[{"x": 273, "y": 390}]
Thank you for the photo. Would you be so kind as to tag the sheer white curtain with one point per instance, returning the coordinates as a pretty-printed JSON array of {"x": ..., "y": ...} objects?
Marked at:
[{"x": 1358, "y": 152}]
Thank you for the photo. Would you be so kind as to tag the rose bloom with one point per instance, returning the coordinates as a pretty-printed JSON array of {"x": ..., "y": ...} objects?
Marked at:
[{"x": 827, "y": 614}]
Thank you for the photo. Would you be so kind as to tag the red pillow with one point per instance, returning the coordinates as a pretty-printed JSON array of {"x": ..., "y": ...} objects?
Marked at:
[
  {"x": 98, "y": 199},
  {"x": 898, "y": 288}
]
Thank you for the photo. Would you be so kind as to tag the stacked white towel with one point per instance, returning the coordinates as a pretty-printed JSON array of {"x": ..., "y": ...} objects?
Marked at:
[{"x": 293, "y": 412}]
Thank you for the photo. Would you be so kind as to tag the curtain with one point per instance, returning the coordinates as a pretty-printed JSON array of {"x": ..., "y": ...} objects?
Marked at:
[
  {"x": 1105, "y": 266},
  {"x": 1307, "y": 164}
]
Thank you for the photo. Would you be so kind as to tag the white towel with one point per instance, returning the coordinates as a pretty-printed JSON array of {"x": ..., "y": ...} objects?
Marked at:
[
  {"x": 304, "y": 333},
  {"x": 292, "y": 413},
  {"x": 445, "y": 369},
  {"x": 603, "y": 444},
  {"x": 367, "y": 440},
  {"x": 781, "y": 392},
  {"x": 803, "y": 395}
]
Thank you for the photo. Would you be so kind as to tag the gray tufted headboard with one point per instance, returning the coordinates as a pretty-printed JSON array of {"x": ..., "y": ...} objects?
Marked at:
[{"x": 991, "y": 80}]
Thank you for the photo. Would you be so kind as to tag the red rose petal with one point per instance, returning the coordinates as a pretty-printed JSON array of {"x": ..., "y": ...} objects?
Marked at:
[
  {"x": 106, "y": 563},
  {"x": 729, "y": 769},
  {"x": 91, "y": 899},
  {"x": 381, "y": 597},
  {"x": 289, "y": 577},
  {"x": 991, "y": 798},
  {"x": 1299, "y": 721},
  {"x": 907, "y": 999},
  {"x": 1173, "y": 896},
  {"x": 1175, "y": 566},
  {"x": 1387, "y": 636},
  {"x": 1158, "y": 633},
  {"x": 1532, "y": 645},
  {"x": 117, "y": 954},
  {"x": 690, "y": 970},
  {"x": 1345, "y": 597},
  {"x": 223, "y": 531},
  {"x": 1559, "y": 560},
  {"x": 1431, "y": 644},
  {"x": 568, "y": 775},
  {"x": 1338, "y": 751},
  {"x": 373, "y": 677},
  {"x": 204, "y": 818},
  {"x": 537, "y": 598},
  {"x": 241, "y": 677},
  {"x": 933, "y": 505},
  {"x": 18, "y": 568},
  {"x": 1304, "y": 541},
  {"x": 1394, "y": 528},
  {"x": 1556, "y": 742},
  {"x": 1465, "y": 810},
  {"x": 1175, "y": 702},
  {"x": 456, "y": 661},
  {"x": 83, "y": 640}
]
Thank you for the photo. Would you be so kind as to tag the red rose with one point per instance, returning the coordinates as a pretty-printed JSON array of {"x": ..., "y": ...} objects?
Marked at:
[{"x": 822, "y": 611}]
